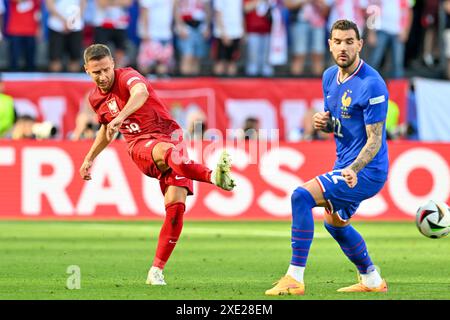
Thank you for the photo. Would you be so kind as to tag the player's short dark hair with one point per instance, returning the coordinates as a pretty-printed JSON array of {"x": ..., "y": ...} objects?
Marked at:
[
  {"x": 345, "y": 25},
  {"x": 96, "y": 52}
]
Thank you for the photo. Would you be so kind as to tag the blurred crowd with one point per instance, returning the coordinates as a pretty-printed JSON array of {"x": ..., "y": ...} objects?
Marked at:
[
  {"x": 404, "y": 38},
  {"x": 224, "y": 37}
]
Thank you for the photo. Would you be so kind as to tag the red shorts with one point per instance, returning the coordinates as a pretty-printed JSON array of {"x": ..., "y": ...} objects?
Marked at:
[{"x": 141, "y": 154}]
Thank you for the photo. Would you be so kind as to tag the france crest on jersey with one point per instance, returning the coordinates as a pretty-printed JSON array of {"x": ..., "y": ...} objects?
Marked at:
[{"x": 359, "y": 100}]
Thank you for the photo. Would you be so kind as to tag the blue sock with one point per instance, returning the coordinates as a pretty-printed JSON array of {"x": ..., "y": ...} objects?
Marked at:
[
  {"x": 353, "y": 245},
  {"x": 302, "y": 225}
]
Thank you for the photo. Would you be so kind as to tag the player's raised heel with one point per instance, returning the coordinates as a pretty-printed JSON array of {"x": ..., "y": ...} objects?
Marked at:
[
  {"x": 359, "y": 287},
  {"x": 286, "y": 286},
  {"x": 221, "y": 175},
  {"x": 155, "y": 277}
]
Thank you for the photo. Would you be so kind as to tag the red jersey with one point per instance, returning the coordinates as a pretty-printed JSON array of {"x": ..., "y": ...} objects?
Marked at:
[
  {"x": 151, "y": 120},
  {"x": 256, "y": 23},
  {"x": 23, "y": 18}
]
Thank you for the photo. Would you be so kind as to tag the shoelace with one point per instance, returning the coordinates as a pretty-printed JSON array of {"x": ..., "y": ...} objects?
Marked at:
[{"x": 159, "y": 276}]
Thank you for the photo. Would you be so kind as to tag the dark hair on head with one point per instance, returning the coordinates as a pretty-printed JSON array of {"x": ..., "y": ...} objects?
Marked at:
[
  {"x": 96, "y": 52},
  {"x": 345, "y": 25}
]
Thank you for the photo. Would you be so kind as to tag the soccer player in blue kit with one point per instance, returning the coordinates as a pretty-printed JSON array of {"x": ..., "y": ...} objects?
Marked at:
[{"x": 356, "y": 100}]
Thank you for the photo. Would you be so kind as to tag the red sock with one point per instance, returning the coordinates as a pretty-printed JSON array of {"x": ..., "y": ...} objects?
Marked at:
[
  {"x": 185, "y": 167},
  {"x": 169, "y": 234}
]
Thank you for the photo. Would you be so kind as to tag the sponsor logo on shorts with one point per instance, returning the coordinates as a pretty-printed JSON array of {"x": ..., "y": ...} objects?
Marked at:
[{"x": 179, "y": 178}]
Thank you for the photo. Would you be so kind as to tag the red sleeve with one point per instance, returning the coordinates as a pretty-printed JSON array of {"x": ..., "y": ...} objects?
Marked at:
[{"x": 129, "y": 78}]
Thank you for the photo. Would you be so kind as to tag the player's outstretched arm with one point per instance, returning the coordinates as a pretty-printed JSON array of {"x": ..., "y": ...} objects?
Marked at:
[
  {"x": 368, "y": 152},
  {"x": 100, "y": 143}
]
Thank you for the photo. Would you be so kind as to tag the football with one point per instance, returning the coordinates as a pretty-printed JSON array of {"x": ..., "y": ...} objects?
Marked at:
[{"x": 433, "y": 219}]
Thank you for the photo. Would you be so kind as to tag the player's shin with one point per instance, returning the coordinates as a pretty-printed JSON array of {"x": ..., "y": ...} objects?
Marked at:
[
  {"x": 302, "y": 231},
  {"x": 185, "y": 167},
  {"x": 354, "y": 247},
  {"x": 169, "y": 234}
]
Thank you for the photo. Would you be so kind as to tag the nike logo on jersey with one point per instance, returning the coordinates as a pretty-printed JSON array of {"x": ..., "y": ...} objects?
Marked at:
[
  {"x": 328, "y": 97},
  {"x": 179, "y": 178}
]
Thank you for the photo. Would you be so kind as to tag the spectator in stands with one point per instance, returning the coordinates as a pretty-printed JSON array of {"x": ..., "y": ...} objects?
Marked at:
[
  {"x": 196, "y": 123},
  {"x": 258, "y": 25},
  {"x": 391, "y": 29},
  {"x": 429, "y": 21},
  {"x": 393, "y": 129},
  {"x": 251, "y": 129},
  {"x": 7, "y": 112},
  {"x": 65, "y": 25},
  {"x": 307, "y": 26},
  {"x": 23, "y": 128},
  {"x": 192, "y": 26},
  {"x": 86, "y": 123},
  {"x": 228, "y": 32},
  {"x": 446, "y": 6},
  {"x": 22, "y": 29},
  {"x": 111, "y": 21},
  {"x": 155, "y": 30},
  {"x": 354, "y": 10},
  {"x": 89, "y": 22}
]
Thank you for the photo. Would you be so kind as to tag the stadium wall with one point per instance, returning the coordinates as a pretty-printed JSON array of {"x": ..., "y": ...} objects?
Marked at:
[
  {"x": 39, "y": 180},
  {"x": 277, "y": 103}
]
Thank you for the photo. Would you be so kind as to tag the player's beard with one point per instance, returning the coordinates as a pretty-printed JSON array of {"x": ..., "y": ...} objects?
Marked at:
[
  {"x": 346, "y": 64},
  {"x": 105, "y": 85}
]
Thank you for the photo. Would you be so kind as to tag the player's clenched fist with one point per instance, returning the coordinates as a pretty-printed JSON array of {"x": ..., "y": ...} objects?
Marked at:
[
  {"x": 84, "y": 170},
  {"x": 350, "y": 177},
  {"x": 320, "y": 120},
  {"x": 113, "y": 127}
]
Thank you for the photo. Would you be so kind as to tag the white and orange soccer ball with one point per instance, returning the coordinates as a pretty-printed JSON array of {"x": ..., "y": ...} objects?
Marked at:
[{"x": 433, "y": 219}]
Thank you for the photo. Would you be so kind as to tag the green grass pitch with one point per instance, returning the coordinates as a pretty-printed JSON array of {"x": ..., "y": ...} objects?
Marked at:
[{"x": 213, "y": 260}]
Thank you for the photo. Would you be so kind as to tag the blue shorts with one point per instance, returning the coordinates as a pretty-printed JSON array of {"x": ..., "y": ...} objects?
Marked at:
[{"x": 342, "y": 199}]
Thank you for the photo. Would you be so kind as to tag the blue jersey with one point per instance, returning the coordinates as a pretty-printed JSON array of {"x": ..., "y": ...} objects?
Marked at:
[{"x": 359, "y": 100}]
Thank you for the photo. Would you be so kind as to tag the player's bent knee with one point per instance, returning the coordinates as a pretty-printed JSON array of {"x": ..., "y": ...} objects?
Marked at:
[
  {"x": 159, "y": 153},
  {"x": 160, "y": 149},
  {"x": 301, "y": 197},
  {"x": 334, "y": 220}
]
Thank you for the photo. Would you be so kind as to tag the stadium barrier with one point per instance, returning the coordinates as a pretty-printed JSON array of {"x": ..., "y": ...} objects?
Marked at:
[
  {"x": 40, "y": 180},
  {"x": 226, "y": 103}
]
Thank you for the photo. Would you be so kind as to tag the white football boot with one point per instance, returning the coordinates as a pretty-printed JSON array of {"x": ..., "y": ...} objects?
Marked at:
[{"x": 155, "y": 277}]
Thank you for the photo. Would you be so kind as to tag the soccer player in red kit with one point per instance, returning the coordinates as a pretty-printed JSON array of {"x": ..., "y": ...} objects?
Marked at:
[{"x": 125, "y": 101}]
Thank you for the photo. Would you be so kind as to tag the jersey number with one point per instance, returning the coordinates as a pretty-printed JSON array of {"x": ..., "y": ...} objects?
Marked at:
[
  {"x": 133, "y": 127},
  {"x": 337, "y": 127}
]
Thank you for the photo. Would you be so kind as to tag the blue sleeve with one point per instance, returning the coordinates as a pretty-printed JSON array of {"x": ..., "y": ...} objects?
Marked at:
[
  {"x": 325, "y": 90},
  {"x": 375, "y": 102}
]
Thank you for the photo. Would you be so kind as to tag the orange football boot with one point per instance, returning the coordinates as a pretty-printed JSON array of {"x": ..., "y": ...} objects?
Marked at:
[
  {"x": 286, "y": 286},
  {"x": 359, "y": 287}
]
